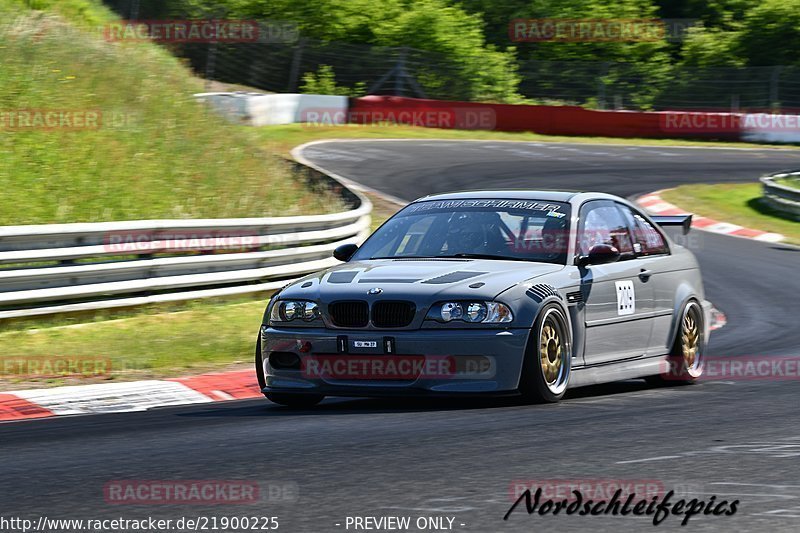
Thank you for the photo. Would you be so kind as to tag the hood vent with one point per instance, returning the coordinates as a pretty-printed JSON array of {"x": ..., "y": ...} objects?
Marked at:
[
  {"x": 542, "y": 291},
  {"x": 453, "y": 277},
  {"x": 342, "y": 277}
]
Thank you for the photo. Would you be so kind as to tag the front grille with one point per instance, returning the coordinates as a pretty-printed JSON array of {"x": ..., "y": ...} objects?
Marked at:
[
  {"x": 349, "y": 314},
  {"x": 392, "y": 314}
]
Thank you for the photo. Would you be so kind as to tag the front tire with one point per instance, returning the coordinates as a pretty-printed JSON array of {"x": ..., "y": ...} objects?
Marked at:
[{"x": 548, "y": 358}]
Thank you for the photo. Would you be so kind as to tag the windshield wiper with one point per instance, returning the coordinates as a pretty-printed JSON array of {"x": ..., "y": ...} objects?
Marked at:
[
  {"x": 454, "y": 256},
  {"x": 487, "y": 256},
  {"x": 405, "y": 257}
]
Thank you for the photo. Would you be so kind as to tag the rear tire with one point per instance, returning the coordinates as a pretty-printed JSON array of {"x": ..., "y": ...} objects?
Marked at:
[
  {"x": 685, "y": 361},
  {"x": 294, "y": 400},
  {"x": 548, "y": 358}
]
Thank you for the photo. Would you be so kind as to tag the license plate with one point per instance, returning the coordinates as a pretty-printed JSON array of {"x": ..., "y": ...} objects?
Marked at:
[{"x": 365, "y": 344}]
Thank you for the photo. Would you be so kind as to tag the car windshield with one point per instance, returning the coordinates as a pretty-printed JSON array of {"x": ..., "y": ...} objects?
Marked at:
[{"x": 520, "y": 230}]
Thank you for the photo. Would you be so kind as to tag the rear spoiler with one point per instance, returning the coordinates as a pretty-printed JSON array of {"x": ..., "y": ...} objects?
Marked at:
[{"x": 674, "y": 220}]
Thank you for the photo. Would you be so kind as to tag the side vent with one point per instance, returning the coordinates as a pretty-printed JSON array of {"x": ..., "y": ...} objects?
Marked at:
[
  {"x": 542, "y": 291},
  {"x": 574, "y": 297}
]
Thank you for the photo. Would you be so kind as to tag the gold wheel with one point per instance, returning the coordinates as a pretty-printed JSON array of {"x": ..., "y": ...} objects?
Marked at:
[
  {"x": 551, "y": 351},
  {"x": 690, "y": 339},
  {"x": 548, "y": 357},
  {"x": 689, "y": 353}
]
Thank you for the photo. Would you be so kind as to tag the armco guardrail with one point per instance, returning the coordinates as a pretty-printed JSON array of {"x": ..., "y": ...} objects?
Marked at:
[
  {"x": 46, "y": 269},
  {"x": 782, "y": 197}
]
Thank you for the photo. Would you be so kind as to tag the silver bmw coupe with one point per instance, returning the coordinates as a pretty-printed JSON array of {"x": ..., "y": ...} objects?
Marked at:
[{"x": 505, "y": 292}]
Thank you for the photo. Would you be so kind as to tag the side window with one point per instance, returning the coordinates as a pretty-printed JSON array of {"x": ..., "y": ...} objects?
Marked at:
[
  {"x": 649, "y": 239},
  {"x": 602, "y": 223}
]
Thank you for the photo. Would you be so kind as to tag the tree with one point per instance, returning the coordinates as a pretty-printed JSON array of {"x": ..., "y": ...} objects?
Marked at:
[{"x": 771, "y": 33}]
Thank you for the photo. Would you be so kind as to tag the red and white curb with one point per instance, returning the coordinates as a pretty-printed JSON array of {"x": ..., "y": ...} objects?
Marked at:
[
  {"x": 128, "y": 396},
  {"x": 655, "y": 205}
]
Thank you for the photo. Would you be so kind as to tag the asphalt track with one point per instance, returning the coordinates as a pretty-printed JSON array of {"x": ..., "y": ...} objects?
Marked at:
[{"x": 733, "y": 439}]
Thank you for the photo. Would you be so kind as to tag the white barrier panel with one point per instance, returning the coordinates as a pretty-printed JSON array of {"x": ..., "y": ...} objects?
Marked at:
[
  {"x": 764, "y": 127},
  {"x": 272, "y": 109},
  {"x": 322, "y": 109},
  {"x": 233, "y": 105}
]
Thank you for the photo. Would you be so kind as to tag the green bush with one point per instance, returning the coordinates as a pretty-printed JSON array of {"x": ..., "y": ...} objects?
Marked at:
[{"x": 324, "y": 82}]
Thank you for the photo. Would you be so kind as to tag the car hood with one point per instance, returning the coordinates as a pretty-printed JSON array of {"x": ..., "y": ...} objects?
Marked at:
[{"x": 423, "y": 281}]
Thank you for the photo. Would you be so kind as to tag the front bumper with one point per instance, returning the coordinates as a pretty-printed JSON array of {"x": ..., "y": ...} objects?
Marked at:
[{"x": 503, "y": 348}]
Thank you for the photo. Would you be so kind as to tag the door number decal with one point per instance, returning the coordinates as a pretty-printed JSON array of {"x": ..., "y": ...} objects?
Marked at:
[{"x": 626, "y": 298}]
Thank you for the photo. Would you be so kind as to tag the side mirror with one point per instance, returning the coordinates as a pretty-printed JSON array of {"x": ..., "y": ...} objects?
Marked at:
[
  {"x": 345, "y": 252},
  {"x": 600, "y": 254}
]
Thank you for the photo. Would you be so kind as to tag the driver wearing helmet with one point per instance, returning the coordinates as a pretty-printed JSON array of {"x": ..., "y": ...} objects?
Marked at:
[{"x": 474, "y": 233}]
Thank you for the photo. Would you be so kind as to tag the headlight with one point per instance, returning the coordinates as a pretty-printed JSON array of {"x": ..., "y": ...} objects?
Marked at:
[
  {"x": 310, "y": 311},
  {"x": 476, "y": 312},
  {"x": 451, "y": 311},
  {"x": 288, "y": 310},
  {"x": 472, "y": 312},
  {"x": 498, "y": 313}
]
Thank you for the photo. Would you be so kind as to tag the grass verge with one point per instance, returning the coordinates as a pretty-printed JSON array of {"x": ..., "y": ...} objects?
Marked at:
[
  {"x": 735, "y": 203},
  {"x": 147, "y": 149}
]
